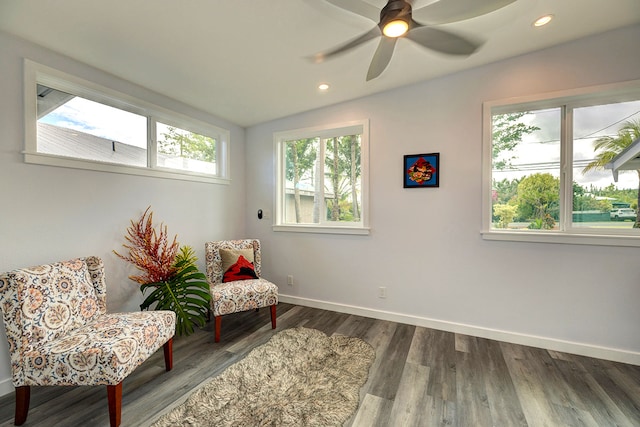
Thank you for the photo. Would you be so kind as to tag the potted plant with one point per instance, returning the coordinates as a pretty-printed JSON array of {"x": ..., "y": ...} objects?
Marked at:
[{"x": 170, "y": 273}]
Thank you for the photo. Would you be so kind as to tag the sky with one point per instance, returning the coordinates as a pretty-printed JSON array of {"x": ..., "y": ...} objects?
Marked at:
[
  {"x": 540, "y": 150},
  {"x": 100, "y": 120}
]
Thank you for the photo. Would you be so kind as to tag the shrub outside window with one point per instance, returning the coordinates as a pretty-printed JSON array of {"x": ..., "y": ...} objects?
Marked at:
[
  {"x": 322, "y": 178},
  {"x": 548, "y": 172}
]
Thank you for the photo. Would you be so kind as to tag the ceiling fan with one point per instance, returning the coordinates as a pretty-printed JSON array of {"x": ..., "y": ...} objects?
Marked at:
[{"x": 396, "y": 20}]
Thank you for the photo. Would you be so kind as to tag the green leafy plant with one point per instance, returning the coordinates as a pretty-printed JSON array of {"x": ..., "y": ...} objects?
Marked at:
[
  {"x": 546, "y": 223},
  {"x": 170, "y": 274}
]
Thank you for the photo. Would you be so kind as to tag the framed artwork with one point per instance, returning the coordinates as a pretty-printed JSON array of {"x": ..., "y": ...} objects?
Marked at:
[{"x": 421, "y": 170}]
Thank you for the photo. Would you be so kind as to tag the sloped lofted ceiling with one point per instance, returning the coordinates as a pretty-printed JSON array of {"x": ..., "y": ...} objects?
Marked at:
[{"x": 247, "y": 61}]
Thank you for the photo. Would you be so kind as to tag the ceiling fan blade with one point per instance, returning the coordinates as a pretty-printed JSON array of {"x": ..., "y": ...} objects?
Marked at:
[
  {"x": 382, "y": 57},
  {"x": 322, "y": 56},
  {"x": 358, "y": 7},
  {"x": 442, "y": 41},
  {"x": 445, "y": 11}
]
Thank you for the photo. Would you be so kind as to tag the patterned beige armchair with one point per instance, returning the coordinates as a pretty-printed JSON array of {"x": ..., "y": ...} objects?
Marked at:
[
  {"x": 60, "y": 334},
  {"x": 229, "y": 295}
]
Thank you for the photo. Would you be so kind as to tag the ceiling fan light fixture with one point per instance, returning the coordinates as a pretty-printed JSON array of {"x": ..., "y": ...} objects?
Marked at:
[{"x": 395, "y": 28}]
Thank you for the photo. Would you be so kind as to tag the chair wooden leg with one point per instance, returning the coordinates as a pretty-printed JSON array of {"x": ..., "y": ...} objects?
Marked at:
[
  {"x": 23, "y": 395},
  {"x": 114, "y": 396},
  {"x": 168, "y": 354},
  {"x": 273, "y": 316},
  {"x": 218, "y": 322}
]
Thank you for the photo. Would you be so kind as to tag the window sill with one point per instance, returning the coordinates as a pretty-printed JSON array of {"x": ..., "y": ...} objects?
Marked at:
[
  {"x": 69, "y": 162},
  {"x": 323, "y": 229},
  {"x": 573, "y": 238}
]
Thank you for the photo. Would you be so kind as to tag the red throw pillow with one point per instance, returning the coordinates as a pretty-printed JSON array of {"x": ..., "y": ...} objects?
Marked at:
[{"x": 241, "y": 270}]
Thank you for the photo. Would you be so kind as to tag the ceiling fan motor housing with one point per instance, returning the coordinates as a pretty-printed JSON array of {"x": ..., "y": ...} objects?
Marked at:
[{"x": 395, "y": 9}]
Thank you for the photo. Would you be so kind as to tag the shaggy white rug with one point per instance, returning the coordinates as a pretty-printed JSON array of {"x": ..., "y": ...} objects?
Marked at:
[{"x": 301, "y": 377}]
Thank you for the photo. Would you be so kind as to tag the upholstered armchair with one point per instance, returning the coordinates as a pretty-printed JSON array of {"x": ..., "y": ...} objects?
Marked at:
[
  {"x": 233, "y": 273},
  {"x": 59, "y": 332}
]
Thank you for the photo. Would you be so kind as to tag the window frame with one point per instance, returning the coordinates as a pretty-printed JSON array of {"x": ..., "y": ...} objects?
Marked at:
[
  {"x": 566, "y": 100},
  {"x": 360, "y": 127},
  {"x": 35, "y": 73}
]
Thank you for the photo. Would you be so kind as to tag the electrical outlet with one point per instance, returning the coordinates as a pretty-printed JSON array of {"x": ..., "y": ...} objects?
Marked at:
[
  {"x": 290, "y": 280},
  {"x": 382, "y": 292}
]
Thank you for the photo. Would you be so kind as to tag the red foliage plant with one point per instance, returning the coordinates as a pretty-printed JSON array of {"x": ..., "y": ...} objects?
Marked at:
[{"x": 150, "y": 251}]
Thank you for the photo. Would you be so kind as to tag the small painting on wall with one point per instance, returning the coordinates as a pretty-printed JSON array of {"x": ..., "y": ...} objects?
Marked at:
[{"x": 421, "y": 170}]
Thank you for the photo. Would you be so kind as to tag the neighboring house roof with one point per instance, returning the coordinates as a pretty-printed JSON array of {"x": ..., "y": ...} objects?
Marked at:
[
  {"x": 627, "y": 159},
  {"x": 61, "y": 141},
  {"x": 72, "y": 143},
  {"x": 307, "y": 193}
]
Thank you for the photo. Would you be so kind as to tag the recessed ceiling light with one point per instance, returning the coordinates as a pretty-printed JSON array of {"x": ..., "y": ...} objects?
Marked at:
[
  {"x": 543, "y": 20},
  {"x": 323, "y": 86}
]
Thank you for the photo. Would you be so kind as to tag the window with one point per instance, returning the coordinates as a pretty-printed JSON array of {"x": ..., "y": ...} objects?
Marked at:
[
  {"x": 74, "y": 123},
  {"x": 322, "y": 179},
  {"x": 72, "y": 126},
  {"x": 548, "y": 172},
  {"x": 182, "y": 149}
]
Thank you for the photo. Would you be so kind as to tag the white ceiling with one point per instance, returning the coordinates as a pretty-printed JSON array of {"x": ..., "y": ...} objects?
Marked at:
[{"x": 247, "y": 60}]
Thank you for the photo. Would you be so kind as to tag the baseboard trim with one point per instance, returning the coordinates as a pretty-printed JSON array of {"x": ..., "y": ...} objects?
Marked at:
[
  {"x": 581, "y": 349},
  {"x": 6, "y": 387}
]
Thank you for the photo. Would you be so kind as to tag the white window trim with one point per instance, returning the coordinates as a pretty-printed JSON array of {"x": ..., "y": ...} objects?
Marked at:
[
  {"x": 37, "y": 73},
  {"x": 328, "y": 131},
  {"x": 629, "y": 90}
]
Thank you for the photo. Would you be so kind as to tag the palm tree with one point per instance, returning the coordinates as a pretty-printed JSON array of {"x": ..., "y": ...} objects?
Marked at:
[{"x": 609, "y": 147}]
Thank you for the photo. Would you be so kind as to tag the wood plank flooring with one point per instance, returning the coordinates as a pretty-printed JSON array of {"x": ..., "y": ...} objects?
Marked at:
[{"x": 421, "y": 377}]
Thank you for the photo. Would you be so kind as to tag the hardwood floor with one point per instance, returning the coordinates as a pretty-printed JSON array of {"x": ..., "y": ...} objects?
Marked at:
[{"x": 421, "y": 377}]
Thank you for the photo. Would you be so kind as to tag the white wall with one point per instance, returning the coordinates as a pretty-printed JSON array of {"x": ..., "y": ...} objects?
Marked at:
[
  {"x": 51, "y": 214},
  {"x": 425, "y": 245}
]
